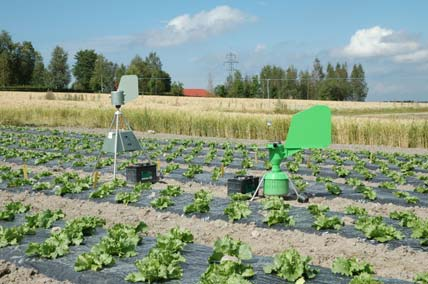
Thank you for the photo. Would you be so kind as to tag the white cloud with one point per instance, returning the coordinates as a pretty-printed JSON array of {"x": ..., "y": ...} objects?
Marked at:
[
  {"x": 260, "y": 47},
  {"x": 186, "y": 28},
  {"x": 378, "y": 41},
  {"x": 179, "y": 30},
  {"x": 417, "y": 56}
]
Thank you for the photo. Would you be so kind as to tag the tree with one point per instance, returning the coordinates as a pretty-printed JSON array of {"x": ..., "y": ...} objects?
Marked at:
[
  {"x": 83, "y": 69},
  {"x": 336, "y": 85},
  {"x": 153, "y": 80},
  {"x": 358, "y": 83},
  {"x": 177, "y": 89},
  {"x": 271, "y": 76},
  {"x": 235, "y": 86},
  {"x": 153, "y": 62},
  {"x": 59, "y": 72},
  {"x": 139, "y": 67},
  {"x": 304, "y": 85},
  {"x": 344, "y": 88},
  {"x": 119, "y": 71},
  {"x": 291, "y": 88},
  {"x": 327, "y": 87},
  {"x": 317, "y": 76},
  {"x": 256, "y": 88},
  {"x": 5, "y": 70},
  {"x": 220, "y": 91},
  {"x": 159, "y": 81},
  {"x": 23, "y": 59},
  {"x": 275, "y": 82},
  {"x": 6, "y": 43},
  {"x": 6, "y": 48},
  {"x": 103, "y": 75},
  {"x": 38, "y": 78}
]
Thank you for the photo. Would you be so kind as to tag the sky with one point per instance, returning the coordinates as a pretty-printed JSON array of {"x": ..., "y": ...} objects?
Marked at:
[{"x": 388, "y": 37}]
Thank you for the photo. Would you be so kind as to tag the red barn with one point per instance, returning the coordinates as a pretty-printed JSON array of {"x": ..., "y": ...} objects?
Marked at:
[{"x": 196, "y": 93}]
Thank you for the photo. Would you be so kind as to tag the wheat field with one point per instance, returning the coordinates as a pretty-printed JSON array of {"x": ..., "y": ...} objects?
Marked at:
[{"x": 389, "y": 124}]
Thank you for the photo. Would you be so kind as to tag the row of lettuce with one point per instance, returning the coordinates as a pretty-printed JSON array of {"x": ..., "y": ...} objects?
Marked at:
[
  {"x": 275, "y": 210},
  {"x": 227, "y": 264},
  {"x": 363, "y": 185},
  {"x": 189, "y": 149}
]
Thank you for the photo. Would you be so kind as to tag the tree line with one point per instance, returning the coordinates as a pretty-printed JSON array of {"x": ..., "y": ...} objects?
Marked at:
[
  {"x": 275, "y": 82},
  {"x": 22, "y": 66}
]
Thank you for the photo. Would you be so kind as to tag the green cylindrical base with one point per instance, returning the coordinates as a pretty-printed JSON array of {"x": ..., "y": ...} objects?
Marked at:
[{"x": 275, "y": 184}]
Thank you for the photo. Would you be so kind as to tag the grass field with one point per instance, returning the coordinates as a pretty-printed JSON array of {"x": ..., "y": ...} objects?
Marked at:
[{"x": 373, "y": 123}]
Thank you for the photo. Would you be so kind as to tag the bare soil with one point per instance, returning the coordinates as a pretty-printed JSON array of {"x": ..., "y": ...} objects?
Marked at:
[{"x": 12, "y": 274}]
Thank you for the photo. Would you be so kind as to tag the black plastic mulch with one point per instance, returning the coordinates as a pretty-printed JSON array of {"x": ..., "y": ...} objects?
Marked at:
[{"x": 196, "y": 262}]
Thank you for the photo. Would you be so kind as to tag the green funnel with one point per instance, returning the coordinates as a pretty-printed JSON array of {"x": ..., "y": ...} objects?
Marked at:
[{"x": 310, "y": 128}]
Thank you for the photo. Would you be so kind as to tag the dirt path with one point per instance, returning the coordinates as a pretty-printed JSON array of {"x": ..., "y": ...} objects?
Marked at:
[
  {"x": 401, "y": 263},
  {"x": 12, "y": 274}
]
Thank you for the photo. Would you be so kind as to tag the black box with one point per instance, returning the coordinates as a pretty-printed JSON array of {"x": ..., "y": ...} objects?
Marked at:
[
  {"x": 143, "y": 172},
  {"x": 242, "y": 184}
]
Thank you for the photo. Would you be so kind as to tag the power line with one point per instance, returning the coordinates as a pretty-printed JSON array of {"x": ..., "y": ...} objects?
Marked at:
[
  {"x": 231, "y": 59},
  {"x": 310, "y": 79}
]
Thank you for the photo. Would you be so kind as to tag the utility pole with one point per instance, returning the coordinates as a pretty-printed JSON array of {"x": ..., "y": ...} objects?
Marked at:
[
  {"x": 231, "y": 60},
  {"x": 102, "y": 83}
]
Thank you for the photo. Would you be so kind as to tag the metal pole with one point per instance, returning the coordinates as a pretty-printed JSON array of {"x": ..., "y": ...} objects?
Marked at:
[
  {"x": 116, "y": 114},
  {"x": 102, "y": 84},
  {"x": 307, "y": 90}
]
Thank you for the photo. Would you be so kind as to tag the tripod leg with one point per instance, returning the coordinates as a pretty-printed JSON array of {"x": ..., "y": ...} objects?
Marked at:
[
  {"x": 99, "y": 154},
  {"x": 129, "y": 128},
  {"x": 120, "y": 115},
  {"x": 138, "y": 141},
  {"x": 116, "y": 115},
  {"x": 258, "y": 188}
]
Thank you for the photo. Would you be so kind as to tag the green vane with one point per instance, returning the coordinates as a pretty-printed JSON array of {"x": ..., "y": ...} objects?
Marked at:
[{"x": 310, "y": 128}]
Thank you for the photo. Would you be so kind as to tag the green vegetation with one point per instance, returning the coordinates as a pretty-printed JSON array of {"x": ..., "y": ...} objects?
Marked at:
[
  {"x": 120, "y": 241},
  {"x": 11, "y": 209},
  {"x": 355, "y": 210},
  {"x": 277, "y": 83},
  {"x": 21, "y": 66},
  {"x": 201, "y": 203},
  {"x": 163, "y": 261},
  {"x": 291, "y": 266},
  {"x": 73, "y": 233},
  {"x": 127, "y": 197},
  {"x": 333, "y": 188},
  {"x": 162, "y": 202},
  {"x": 323, "y": 222},
  {"x": 237, "y": 210},
  {"x": 225, "y": 263},
  {"x": 277, "y": 212},
  {"x": 375, "y": 228},
  {"x": 351, "y": 267},
  {"x": 421, "y": 278}
]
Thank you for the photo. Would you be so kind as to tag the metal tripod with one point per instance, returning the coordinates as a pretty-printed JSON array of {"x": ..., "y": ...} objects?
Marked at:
[
  {"x": 291, "y": 183},
  {"x": 115, "y": 121}
]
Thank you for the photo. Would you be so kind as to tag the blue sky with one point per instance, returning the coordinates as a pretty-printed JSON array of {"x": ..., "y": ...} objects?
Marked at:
[{"x": 389, "y": 38}]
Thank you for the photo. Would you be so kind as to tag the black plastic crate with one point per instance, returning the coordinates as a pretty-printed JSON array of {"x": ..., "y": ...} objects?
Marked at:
[
  {"x": 242, "y": 184},
  {"x": 143, "y": 172}
]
